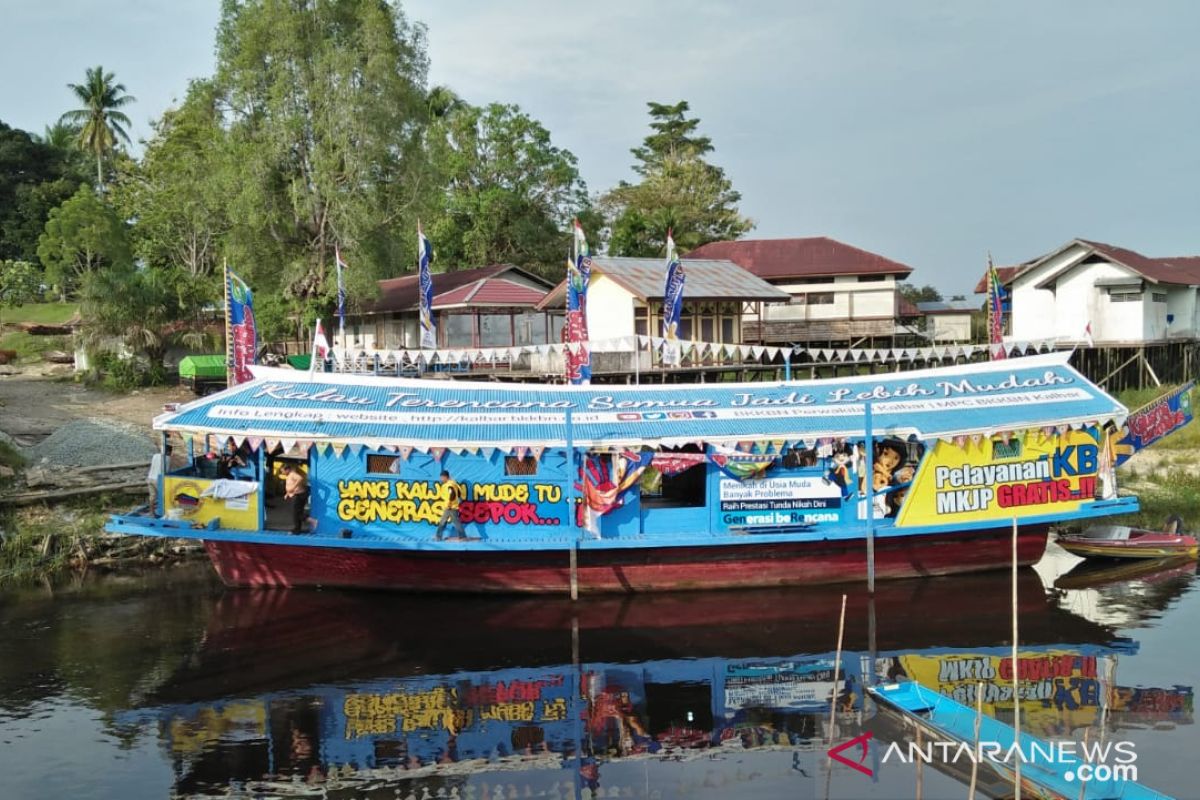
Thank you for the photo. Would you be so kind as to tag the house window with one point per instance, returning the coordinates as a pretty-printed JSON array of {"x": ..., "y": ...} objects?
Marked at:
[
  {"x": 871, "y": 278},
  {"x": 820, "y": 298},
  {"x": 1124, "y": 297},
  {"x": 1158, "y": 297},
  {"x": 530, "y": 328},
  {"x": 729, "y": 330},
  {"x": 495, "y": 330},
  {"x": 459, "y": 330},
  {"x": 383, "y": 465},
  {"x": 525, "y": 465},
  {"x": 641, "y": 321}
]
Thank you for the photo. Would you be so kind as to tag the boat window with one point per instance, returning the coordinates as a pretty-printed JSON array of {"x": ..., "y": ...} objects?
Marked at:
[
  {"x": 520, "y": 465},
  {"x": 383, "y": 465},
  {"x": 686, "y": 489}
]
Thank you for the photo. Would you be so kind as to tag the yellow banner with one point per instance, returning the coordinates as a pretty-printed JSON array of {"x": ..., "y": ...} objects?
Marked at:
[
  {"x": 978, "y": 479},
  {"x": 182, "y": 500}
]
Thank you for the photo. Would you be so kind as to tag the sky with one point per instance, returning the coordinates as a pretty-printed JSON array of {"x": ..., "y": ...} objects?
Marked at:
[{"x": 930, "y": 132}]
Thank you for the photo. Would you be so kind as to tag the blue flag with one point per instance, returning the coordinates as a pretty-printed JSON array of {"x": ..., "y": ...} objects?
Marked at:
[
  {"x": 425, "y": 278},
  {"x": 241, "y": 335},
  {"x": 672, "y": 303}
]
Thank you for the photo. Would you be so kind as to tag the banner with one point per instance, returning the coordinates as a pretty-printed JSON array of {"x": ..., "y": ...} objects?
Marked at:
[
  {"x": 425, "y": 296},
  {"x": 341, "y": 294},
  {"x": 991, "y": 479},
  {"x": 672, "y": 304},
  {"x": 995, "y": 311},
  {"x": 241, "y": 336},
  {"x": 1155, "y": 420},
  {"x": 579, "y": 274},
  {"x": 780, "y": 501}
]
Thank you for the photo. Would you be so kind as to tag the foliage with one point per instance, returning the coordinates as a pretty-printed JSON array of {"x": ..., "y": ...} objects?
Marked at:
[
  {"x": 146, "y": 309},
  {"x": 679, "y": 191},
  {"x": 34, "y": 177},
  {"x": 923, "y": 294},
  {"x": 179, "y": 204},
  {"x": 324, "y": 109},
  {"x": 82, "y": 235},
  {"x": 20, "y": 283},
  {"x": 100, "y": 121},
  {"x": 511, "y": 194},
  {"x": 45, "y": 313}
]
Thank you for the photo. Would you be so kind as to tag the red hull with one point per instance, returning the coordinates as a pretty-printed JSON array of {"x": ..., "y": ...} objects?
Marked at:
[{"x": 630, "y": 570}]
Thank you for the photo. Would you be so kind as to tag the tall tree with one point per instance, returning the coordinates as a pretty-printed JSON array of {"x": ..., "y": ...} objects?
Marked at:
[
  {"x": 679, "y": 191},
  {"x": 82, "y": 235},
  {"x": 324, "y": 105},
  {"x": 101, "y": 122},
  {"x": 510, "y": 193},
  {"x": 34, "y": 178},
  {"x": 177, "y": 192}
]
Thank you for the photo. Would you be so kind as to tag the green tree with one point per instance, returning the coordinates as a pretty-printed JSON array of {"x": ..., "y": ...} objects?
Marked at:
[
  {"x": 919, "y": 294},
  {"x": 101, "y": 122},
  {"x": 82, "y": 236},
  {"x": 510, "y": 193},
  {"x": 174, "y": 193},
  {"x": 20, "y": 283},
  {"x": 34, "y": 178},
  {"x": 324, "y": 107},
  {"x": 679, "y": 191}
]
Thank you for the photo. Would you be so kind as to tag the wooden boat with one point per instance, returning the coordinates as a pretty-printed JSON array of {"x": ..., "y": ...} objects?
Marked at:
[
  {"x": 1122, "y": 541},
  {"x": 1095, "y": 573},
  {"x": 637, "y": 488},
  {"x": 1046, "y": 771}
]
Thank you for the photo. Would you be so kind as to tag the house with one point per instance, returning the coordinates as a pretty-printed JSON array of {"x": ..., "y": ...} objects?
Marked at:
[
  {"x": 493, "y": 306},
  {"x": 949, "y": 320},
  {"x": 1124, "y": 297},
  {"x": 837, "y": 293},
  {"x": 625, "y": 297}
]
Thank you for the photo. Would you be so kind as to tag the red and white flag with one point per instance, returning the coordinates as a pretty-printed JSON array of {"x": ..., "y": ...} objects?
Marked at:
[
  {"x": 320, "y": 348},
  {"x": 1087, "y": 335}
]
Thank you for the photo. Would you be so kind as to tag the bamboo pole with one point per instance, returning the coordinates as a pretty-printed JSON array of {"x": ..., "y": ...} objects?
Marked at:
[
  {"x": 975, "y": 756},
  {"x": 837, "y": 664},
  {"x": 1015, "y": 677}
]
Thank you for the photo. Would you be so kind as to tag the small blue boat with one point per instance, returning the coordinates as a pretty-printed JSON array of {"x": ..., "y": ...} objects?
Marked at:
[{"x": 1046, "y": 770}]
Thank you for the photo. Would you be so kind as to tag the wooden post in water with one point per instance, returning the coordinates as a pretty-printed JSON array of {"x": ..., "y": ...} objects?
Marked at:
[
  {"x": 867, "y": 481},
  {"x": 837, "y": 664},
  {"x": 975, "y": 757},
  {"x": 1016, "y": 683},
  {"x": 571, "y": 473}
]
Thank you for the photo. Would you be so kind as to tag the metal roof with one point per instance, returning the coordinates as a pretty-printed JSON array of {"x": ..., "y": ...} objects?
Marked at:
[
  {"x": 707, "y": 279},
  {"x": 1012, "y": 394}
]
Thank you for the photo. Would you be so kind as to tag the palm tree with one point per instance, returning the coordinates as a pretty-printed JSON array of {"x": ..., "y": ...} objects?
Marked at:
[
  {"x": 100, "y": 122},
  {"x": 61, "y": 135}
]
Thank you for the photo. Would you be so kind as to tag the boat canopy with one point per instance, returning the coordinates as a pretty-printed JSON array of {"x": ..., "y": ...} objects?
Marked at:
[{"x": 1008, "y": 395}]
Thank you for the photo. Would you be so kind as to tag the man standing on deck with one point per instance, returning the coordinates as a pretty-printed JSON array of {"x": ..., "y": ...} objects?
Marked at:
[
  {"x": 455, "y": 496},
  {"x": 295, "y": 492},
  {"x": 153, "y": 477}
]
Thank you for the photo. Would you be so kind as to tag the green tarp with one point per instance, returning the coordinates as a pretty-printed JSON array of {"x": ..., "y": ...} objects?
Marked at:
[{"x": 212, "y": 366}]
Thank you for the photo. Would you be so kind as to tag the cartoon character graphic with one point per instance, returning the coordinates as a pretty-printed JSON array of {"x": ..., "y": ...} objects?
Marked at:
[{"x": 839, "y": 473}]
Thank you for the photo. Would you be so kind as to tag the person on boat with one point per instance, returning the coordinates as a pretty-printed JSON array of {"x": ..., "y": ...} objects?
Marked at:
[
  {"x": 295, "y": 493},
  {"x": 157, "y": 465},
  {"x": 455, "y": 494}
]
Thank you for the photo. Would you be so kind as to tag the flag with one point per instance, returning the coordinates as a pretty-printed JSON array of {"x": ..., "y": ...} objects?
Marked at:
[
  {"x": 425, "y": 279},
  {"x": 1087, "y": 334},
  {"x": 996, "y": 296},
  {"x": 672, "y": 303},
  {"x": 320, "y": 347},
  {"x": 241, "y": 336},
  {"x": 341, "y": 299},
  {"x": 579, "y": 273}
]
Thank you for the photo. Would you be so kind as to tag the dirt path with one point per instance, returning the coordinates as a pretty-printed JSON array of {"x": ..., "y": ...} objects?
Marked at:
[{"x": 32, "y": 408}]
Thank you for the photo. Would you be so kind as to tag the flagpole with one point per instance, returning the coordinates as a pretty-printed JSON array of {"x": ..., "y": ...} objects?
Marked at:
[
  {"x": 228, "y": 328},
  {"x": 312, "y": 351}
]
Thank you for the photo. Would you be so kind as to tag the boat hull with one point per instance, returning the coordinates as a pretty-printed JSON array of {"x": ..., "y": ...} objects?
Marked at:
[
  {"x": 762, "y": 564},
  {"x": 1139, "y": 545}
]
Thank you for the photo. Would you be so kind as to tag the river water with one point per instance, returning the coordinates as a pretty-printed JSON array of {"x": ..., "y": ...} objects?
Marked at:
[{"x": 168, "y": 685}]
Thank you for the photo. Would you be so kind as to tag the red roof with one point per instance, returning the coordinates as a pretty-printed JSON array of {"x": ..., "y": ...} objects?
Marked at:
[
  {"x": 479, "y": 286},
  {"x": 1173, "y": 269},
  {"x": 1006, "y": 274},
  {"x": 816, "y": 256}
]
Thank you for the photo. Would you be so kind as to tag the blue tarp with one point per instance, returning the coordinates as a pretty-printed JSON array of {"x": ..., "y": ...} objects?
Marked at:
[{"x": 1005, "y": 395}]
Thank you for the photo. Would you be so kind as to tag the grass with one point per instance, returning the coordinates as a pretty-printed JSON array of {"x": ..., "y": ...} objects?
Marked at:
[
  {"x": 43, "y": 313},
  {"x": 29, "y": 347},
  {"x": 10, "y": 456}
]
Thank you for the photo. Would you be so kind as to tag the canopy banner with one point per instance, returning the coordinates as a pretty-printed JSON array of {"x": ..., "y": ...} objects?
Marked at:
[
  {"x": 981, "y": 398},
  {"x": 1153, "y": 421}
]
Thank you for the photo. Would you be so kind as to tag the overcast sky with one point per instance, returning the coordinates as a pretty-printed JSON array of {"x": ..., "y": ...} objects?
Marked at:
[{"x": 929, "y": 132}]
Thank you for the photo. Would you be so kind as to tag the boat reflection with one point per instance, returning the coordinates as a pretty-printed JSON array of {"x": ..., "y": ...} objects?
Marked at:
[{"x": 454, "y": 697}]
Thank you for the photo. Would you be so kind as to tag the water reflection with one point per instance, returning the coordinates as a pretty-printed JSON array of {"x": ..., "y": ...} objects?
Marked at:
[
  {"x": 451, "y": 697},
  {"x": 709, "y": 694}
]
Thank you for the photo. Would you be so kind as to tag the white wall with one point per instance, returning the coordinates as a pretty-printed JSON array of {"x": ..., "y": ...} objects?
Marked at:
[
  {"x": 1181, "y": 303},
  {"x": 851, "y": 300},
  {"x": 610, "y": 309}
]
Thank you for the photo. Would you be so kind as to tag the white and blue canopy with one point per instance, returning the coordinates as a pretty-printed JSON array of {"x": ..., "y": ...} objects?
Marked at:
[{"x": 1008, "y": 395}]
